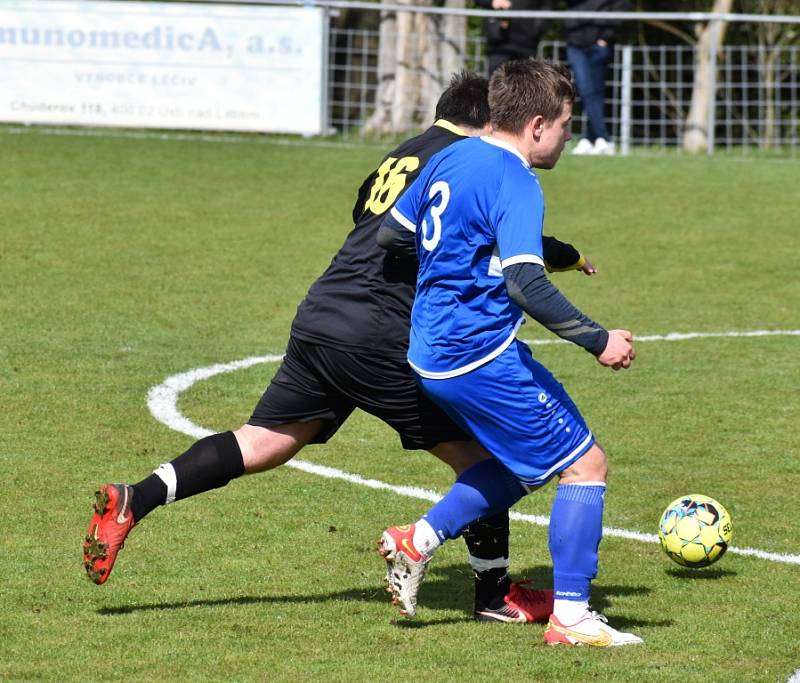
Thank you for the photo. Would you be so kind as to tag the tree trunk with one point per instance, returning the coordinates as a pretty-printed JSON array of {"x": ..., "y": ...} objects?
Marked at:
[
  {"x": 445, "y": 56},
  {"x": 417, "y": 54},
  {"x": 769, "y": 52},
  {"x": 695, "y": 137},
  {"x": 380, "y": 120},
  {"x": 406, "y": 86}
]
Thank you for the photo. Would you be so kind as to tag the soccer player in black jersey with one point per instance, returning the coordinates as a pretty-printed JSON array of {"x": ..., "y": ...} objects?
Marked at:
[{"x": 347, "y": 350}]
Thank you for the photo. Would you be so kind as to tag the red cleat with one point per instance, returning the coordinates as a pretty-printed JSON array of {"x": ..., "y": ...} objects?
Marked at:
[
  {"x": 521, "y": 605},
  {"x": 111, "y": 523}
]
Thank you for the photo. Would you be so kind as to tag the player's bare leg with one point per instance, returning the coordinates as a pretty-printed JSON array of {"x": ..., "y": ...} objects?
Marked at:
[{"x": 265, "y": 448}]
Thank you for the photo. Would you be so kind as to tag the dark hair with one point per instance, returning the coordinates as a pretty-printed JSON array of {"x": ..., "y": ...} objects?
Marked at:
[
  {"x": 524, "y": 88},
  {"x": 465, "y": 101}
]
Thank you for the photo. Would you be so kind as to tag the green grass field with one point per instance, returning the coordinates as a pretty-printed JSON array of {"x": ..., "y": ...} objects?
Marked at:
[{"x": 125, "y": 260}]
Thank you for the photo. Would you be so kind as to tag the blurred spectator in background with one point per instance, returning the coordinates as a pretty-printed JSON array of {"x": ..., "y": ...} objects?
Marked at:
[
  {"x": 590, "y": 46},
  {"x": 513, "y": 38}
]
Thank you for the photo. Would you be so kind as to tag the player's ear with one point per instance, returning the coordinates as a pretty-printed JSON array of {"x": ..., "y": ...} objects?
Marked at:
[{"x": 536, "y": 127}]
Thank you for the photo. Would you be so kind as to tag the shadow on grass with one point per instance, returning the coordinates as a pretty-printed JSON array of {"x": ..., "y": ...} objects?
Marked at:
[
  {"x": 446, "y": 588},
  {"x": 362, "y": 595},
  {"x": 700, "y": 574}
]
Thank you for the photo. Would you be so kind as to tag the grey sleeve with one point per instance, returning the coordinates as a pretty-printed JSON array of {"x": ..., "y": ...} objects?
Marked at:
[{"x": 529, "y": 287}]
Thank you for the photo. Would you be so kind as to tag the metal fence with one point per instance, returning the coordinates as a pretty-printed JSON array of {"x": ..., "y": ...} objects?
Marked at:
[{"x": 756, "y": 103}]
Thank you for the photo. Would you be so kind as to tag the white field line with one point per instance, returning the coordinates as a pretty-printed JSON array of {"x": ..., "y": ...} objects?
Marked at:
[{"x": 162, "y": 400}]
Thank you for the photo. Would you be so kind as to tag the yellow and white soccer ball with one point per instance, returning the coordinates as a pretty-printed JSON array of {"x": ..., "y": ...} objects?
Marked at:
[{"x": 695, "y": 530}]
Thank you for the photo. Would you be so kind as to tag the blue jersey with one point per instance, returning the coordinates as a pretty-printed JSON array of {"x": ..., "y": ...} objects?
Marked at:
[{"x": 476, "y": 208}]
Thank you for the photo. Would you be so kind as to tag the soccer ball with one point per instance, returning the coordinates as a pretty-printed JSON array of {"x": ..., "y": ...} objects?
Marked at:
[{"x": 695, "y": 530}]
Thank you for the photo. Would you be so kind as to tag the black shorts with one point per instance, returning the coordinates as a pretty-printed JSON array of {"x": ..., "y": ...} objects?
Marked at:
[{"x": 323, "y": 383}]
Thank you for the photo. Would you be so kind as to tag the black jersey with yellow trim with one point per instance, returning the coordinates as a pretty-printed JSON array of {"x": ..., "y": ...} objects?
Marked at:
[{"x": 362, "y": 302}]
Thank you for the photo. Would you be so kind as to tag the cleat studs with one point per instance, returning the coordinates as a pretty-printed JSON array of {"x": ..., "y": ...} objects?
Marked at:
[
  {"x": 101, "y": 499},
  {"x": 95, "y": 549},
  {"x": 94, "y": 575}
]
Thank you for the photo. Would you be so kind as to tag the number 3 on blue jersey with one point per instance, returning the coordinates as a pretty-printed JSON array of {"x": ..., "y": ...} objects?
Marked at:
[{"x": 442, "y": 189}]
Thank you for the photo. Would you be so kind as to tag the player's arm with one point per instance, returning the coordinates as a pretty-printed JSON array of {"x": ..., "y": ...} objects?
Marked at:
[
  {"x": 561, "y": 256},
  {"x": 398, "y": 231},
  {"x": 529, "y": 287},
  {"x": 397, "y": 238},
  {"x": 521, "y": 250},
  {"x": 558, "y": 256}
]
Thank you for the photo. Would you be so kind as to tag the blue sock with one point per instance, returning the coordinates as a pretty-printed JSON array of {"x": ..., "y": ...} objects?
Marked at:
[
  {"x": 481, "y": 490},
  {"x": 576, "y": 527}
]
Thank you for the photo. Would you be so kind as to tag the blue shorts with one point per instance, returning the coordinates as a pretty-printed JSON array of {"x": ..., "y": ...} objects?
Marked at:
[{"x": 518, "y": 411}]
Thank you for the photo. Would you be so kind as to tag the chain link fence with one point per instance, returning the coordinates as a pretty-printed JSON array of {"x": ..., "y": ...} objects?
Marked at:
[{"x": 756, "y": 105}]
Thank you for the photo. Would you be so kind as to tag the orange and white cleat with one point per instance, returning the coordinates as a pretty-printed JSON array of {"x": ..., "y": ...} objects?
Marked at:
[
  {"x": 405, "y": 566},
  {"x": 521, "y": 605},
  {"x": 591, "y": 629},
  {"x": 111, "y": 523}
]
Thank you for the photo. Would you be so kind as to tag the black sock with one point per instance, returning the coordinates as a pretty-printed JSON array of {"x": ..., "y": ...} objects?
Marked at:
[
  {"x": 148, "y": 494},
  {"x": 488, "y": 540},
  {"x": 208, "y": 464},
  {"x": 491, "y": 586}
]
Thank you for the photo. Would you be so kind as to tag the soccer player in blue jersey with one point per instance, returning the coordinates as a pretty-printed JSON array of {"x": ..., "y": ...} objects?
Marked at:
[
  {"x": 347, "y": 350},
  {"x": 476, "y": 213}
]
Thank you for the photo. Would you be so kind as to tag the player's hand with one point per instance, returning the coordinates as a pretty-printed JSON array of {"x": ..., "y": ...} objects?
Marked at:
[
  {"x": 588, "y": 267},
  {"x": 619, "y": 351}
]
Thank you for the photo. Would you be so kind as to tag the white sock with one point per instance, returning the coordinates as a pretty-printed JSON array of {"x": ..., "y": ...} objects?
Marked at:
[
  {"x": 166, "y": 472},
  {"x": 425, "y": 539},
  {"x": 569, "y": 611}
]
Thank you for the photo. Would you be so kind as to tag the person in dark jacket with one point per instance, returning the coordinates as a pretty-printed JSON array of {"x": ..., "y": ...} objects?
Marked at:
[
  {"x": 590, "y": 47},
  {"x": 513, "y": 38}
]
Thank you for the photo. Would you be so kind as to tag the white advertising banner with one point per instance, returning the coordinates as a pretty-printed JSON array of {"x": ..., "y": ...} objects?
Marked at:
[{"x": 162, "y": 65}]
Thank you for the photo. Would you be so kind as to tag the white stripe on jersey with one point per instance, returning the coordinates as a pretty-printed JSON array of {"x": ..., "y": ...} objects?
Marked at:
[
  {"x": 495, "y": 269},
  {"x": 400, "y": 218},
  {"x": 471, "y": 366},
  {"x": 496, "y": 265},
  {"x": 522, "y": 258}
]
